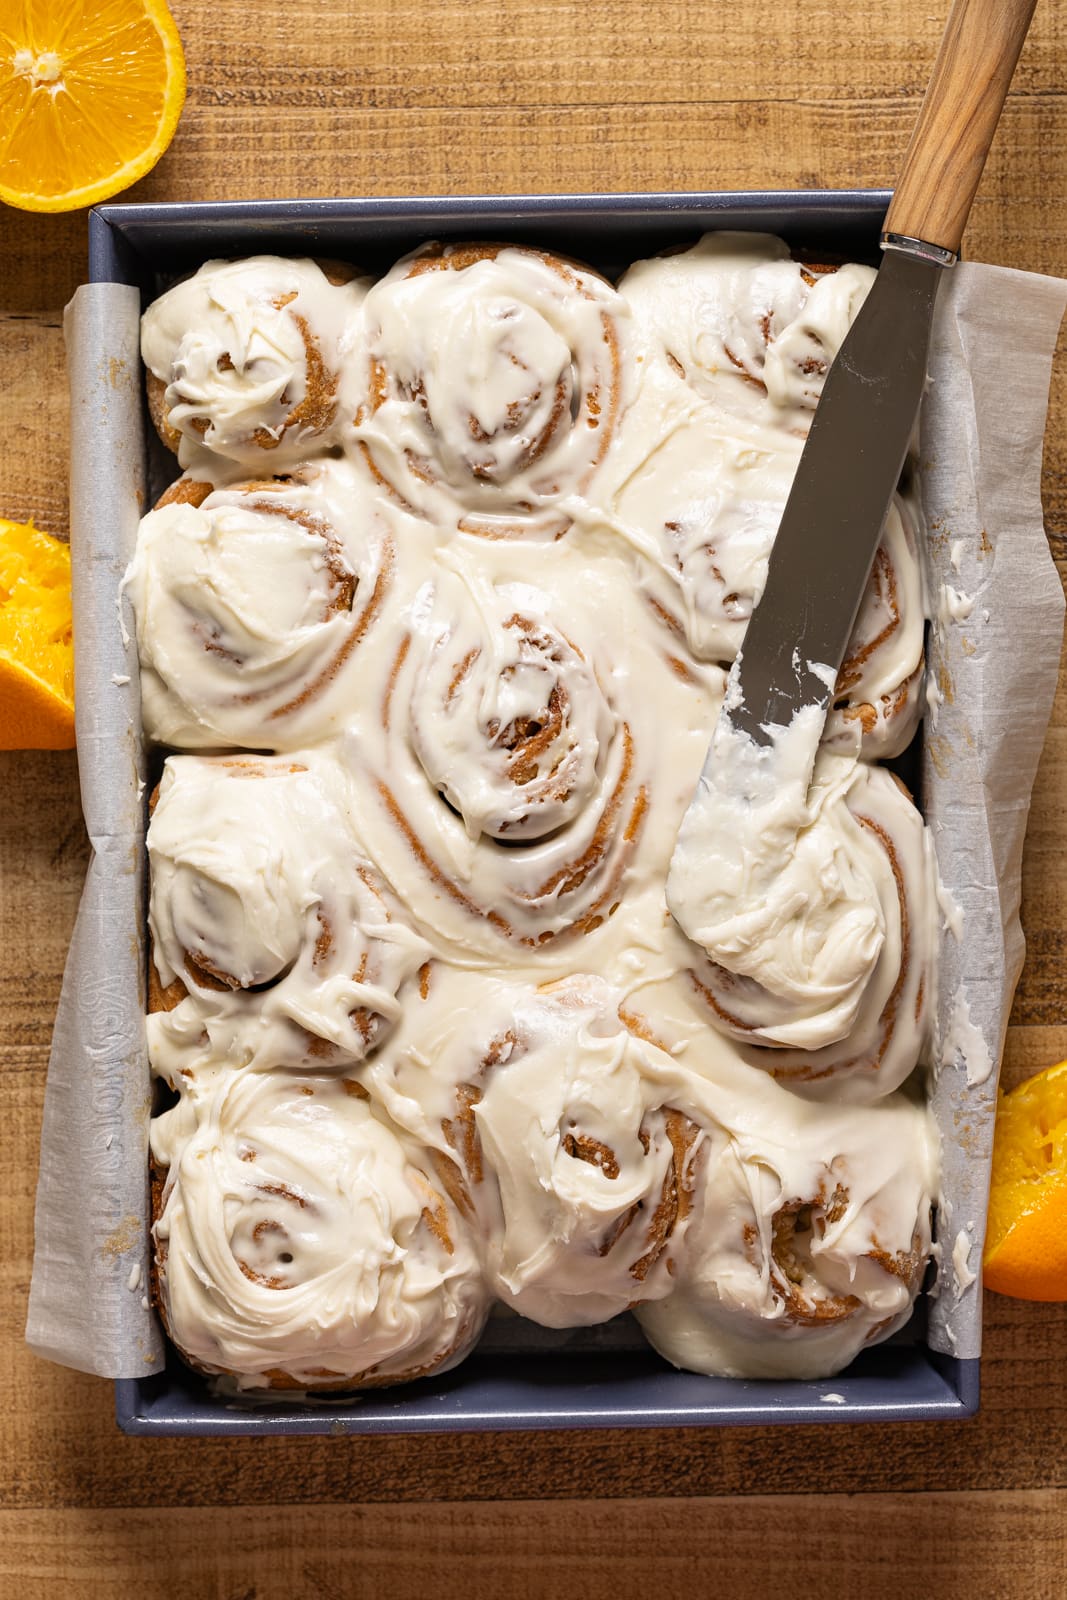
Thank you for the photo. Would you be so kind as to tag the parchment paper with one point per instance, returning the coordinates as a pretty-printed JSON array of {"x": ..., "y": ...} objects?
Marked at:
[
  {"x": 994, "y": 652},
  {"x": 994, "y": 671},
  {"x": 88, "y": 1298}
]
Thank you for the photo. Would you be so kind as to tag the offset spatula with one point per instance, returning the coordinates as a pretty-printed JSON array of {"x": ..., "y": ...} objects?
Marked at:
[{"x": 855, "y": 450}]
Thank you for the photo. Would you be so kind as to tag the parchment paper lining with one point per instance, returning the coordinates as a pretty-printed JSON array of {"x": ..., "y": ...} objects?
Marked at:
[
  {"x": 994, "y": 652},
  {"x": 88, "y": 1298}
]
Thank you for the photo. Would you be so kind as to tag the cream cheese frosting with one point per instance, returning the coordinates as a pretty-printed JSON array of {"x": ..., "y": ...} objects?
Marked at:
[
  {"x": 299, "y": 1239},
  {"x": 702, "y": 462},
  {"x": 616, "y": 1153},
  {"x": 246, "y": 356},
  {"x": 579, "y": 1168},
  {"x": 263, "y": 908},
  {"x": 250, "y": 607},
  {"x": 809, "y": 880},
  {"x": 505, "y": 788},
  {"x": 809, "y": 1241},
  {"x": 493, "y": 379},
  {"x": 749, "y": 328},
  {"x": 484, "y": 628}
]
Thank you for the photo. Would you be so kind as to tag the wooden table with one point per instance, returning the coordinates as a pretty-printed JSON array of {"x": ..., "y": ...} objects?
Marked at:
[{"x": 339, "y": 98}]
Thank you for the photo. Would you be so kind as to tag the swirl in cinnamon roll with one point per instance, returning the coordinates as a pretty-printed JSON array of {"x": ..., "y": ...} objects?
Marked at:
[
  {"x": 300, "y": 1243},
  {"x": 507, "y": 783},
  {"x": 565, "y": 1144},
  {"x": 493, "y": 385},
  {"x": 705, "y": 507},
  {"x": 244, "y": 359},
  {"x": 813, "y": 895},
  {"x": 745, "y": 326},
  {"x": 263, "y": 909},
  {"x": 808, "y": 1240},
  {"x": 250, "y": 602}
]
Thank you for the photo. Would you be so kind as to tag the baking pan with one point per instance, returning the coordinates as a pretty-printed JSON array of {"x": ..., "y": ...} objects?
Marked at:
[{"x": 520, "y": 1377}]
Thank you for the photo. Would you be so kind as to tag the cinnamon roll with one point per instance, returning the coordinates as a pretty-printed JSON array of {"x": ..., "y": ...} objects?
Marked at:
[
  {"x": 808, "y": 1241},
  {"x": 250, "y": 602},
  {"x": 493, "y": 385},
  {"x": 507, "y": 787},
  {"x": 264, "y": 911},
  {"x": 702, "y": 503},
  {"x": 813, "y": 897},
  {"x": 745, "y": 326},
  {"x": 244, "y": 359},
  {"x": 299, "y": 1243},
  {"x": 564, "y": 1142},
  {"x": 703, "y": 508}
]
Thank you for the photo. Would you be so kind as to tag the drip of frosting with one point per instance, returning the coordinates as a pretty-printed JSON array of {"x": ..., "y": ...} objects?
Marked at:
[{"x": 300, "y": 1241}]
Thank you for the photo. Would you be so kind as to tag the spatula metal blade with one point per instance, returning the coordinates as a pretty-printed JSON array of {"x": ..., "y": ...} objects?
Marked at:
[{"x": 833, "y": 519}]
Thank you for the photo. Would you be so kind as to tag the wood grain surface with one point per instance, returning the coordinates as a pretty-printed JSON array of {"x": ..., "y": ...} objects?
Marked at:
[
  {"x": 943, "y": 165},
  {"x": 512, "y": 95}
]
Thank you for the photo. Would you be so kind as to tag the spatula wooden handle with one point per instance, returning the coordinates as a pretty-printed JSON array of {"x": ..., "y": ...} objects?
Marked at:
[{"x": 968, "y": 87}]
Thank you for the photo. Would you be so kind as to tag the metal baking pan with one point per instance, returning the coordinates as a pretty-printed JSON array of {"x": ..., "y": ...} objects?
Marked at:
[{"x": 520, "y": 1377}]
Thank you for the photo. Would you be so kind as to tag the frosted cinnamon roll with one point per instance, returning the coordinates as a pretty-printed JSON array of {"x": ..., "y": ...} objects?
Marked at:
[
  {"x": 244, "y": 359},
  {"x": 300, "y": 1244},
  {"x": 565, "y": 1144},
  {"x": 716, "y": 550},
  {"x": 263, "y": 909},
  {"x": 808, "y": 1241},
  {"x": 507, "y": 789},
  {"x": 813, "y": 896},
  {"x": 706, "y": 507},
  {"x": 250, "y": 602},
  {"x": 702, "y": 504},
  {"x": 493, "y": 385},
  {"x": 744, "y": 325}
]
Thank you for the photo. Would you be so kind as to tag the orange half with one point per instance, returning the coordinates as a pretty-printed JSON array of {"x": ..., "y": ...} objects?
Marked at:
[
  {"x": 1026, "y": 1244},
  {"x": 36, "y": 647},
  {"x": 90, "y": 95}
]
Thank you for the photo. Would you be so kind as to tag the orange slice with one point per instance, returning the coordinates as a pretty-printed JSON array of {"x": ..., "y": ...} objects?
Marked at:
[
  {"x": 1026, "y": 1245},
  {"x": 90, "y": 95},
  {"x": 36, "y": 652}
]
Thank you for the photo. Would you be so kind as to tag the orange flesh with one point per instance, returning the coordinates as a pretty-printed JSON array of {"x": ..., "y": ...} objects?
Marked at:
[
  {"x": 90, "y": 94},
  {"x": 36, "y": 650},
  {"x": 1026, "y": 1246}
]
